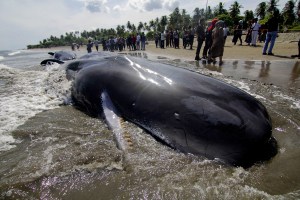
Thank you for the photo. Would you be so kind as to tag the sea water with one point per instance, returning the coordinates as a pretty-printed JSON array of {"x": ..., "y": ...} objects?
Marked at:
[{"x": 51, "y": 150}]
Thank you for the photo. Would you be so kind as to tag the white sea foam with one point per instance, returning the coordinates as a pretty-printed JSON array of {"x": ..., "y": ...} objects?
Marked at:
[
  {"x": 24, "y": 94},
  {"x": 1, "y": 57},
  {"x": 14, "y": 53},
  {"x": 295, "y": 103}
]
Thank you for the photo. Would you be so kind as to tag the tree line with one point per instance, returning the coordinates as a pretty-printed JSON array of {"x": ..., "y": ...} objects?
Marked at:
[{"x": 289, "y": 19}]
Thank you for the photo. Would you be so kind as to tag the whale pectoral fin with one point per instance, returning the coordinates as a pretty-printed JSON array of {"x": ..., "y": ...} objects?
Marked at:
[
  {"x": 50, "y": 61},
  {"x": 110, "y": 112},
  {"x": 115, "y": 122}
]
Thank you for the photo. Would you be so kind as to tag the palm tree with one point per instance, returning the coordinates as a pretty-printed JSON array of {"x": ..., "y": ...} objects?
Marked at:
[
  {"x": 272, "y": 6},
  {"x": 219, "y": 9},
  {"x": 152, "y": 25},
  {"x": 133, "y": 28},
  {"x": 146, "y": 27},
  {"x": 248, "y": 15},
  {"x": 163, "y": 22},
  {"x": 186, "y": 19},
  {"x": 129, "y": 26},
  {"x": 140, "y": 27},
  {"x": 288, "y": 13},
  {"x": 120, "y": 30},
  {"x": 196, "y": 16},
  {"x": 234, "y": 10},
  {"x": 298, "y": 11},
  {"x": 261, "y": 9},
  {"x": 208, "y": 13},
  {"x": 175, "y": 20}
]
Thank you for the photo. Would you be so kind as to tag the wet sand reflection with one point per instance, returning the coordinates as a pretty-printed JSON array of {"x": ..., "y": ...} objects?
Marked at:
[
  {"x": 280, "y": 73},
  {"x": 284, "y": 74}
]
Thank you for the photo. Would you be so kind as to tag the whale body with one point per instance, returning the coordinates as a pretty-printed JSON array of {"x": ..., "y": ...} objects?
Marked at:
[
  {"x": 188, "y": 111},
  {"x": 59, "y": 57}
]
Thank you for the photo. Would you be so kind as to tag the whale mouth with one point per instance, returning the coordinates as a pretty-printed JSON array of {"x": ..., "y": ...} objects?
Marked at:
[
  {"x": 269, "y": 150},
  {"x": 257, "y": 154}
]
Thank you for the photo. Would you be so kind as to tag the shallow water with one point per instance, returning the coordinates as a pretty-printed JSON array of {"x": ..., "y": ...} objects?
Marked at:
[{"x": 54, "y": 151}]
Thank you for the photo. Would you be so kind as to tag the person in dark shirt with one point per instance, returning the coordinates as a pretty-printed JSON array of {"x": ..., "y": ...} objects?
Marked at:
[
  {"x": 89, "y": 46},
  {"x": 200, "y": 37},
  {"x": 272, "y": 26}
]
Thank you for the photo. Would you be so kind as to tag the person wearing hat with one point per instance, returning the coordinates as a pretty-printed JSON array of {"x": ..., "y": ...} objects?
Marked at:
[{"x": 208, "y": 39}]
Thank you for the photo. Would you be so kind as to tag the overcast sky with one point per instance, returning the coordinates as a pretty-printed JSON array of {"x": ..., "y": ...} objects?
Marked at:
[{"x": 26, "y": 22}]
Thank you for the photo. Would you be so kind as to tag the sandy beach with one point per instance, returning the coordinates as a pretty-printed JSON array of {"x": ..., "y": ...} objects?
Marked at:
[
  {"x": 239, "y": 61},
  {"x": 285, "y": 46}
]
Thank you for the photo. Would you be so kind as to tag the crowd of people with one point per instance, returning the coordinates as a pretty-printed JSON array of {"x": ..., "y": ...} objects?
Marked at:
[
  {"x": 266, "y": 33},
  {"x": 132, "y": 42},
  {"x": 211, "y": 34},
  {"x": 214, "y": 37}
]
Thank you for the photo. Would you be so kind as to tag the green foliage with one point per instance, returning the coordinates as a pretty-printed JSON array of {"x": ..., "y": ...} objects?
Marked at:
[
  {"x": 296, "y": 27},
  {"x": 234, "y": 10},
  {"x": 261, "y": 10},
  {"x": 150, "y": 35},
  {"x": 227, "y": 19},
  {"x": 288, "y": 13}
]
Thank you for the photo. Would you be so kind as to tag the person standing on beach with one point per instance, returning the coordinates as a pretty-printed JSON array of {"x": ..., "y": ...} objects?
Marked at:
[
  {"x": 167, "y": 38},
  {"x": 96, "y": 44},
  {"x": 143, "y": 41},
  {"x": 238, "y": 31},
  {"x": 217, "y": 47},
  {"x": 138, "y": 40},
  {"x": 191, "y": 37},
  {"x": 272, "y": 26},
  {"x": 200, "y": 37},
  {"x": 171, "y": 38},
  {"x": 162, "y": 40},
  {"x": 156, "y": 39},
  {"x": 208, "y": 39},
  {"x": 176, "y": 39},
  {"x": 255, "y": 28},
  {"x": 226, "y": 30},
  {"x": 89, "y": 46}
]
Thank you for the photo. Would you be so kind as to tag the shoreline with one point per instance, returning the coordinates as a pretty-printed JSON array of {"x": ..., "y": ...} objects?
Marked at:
[
  {"x": 285, "y": 46},
  {"x": 239, "y": 61}
]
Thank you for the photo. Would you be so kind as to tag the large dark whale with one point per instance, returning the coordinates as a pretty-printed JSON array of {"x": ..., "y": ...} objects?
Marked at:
[
  {"x": 59, "y": 57},
  {"x": 188, "y": 111}
]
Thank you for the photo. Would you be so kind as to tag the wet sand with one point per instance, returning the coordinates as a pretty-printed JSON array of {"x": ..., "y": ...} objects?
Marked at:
[
  {"x": 285, "y": 46},
  {"x": 246, "y": 61},
  {"x": 239, "y": 61}
]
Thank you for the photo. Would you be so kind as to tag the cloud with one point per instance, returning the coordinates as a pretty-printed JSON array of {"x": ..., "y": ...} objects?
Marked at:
[
  {"x": 171, "y": 5},
  {"x": 96, "y": 6},
  {"x": 150, "y": 5},
  {"x": 117, "y": 8}
]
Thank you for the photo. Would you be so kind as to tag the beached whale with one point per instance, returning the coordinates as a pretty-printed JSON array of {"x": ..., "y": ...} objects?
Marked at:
[
  {"x": 59, "y": 57},
  {"x": 188, "y": 111}
]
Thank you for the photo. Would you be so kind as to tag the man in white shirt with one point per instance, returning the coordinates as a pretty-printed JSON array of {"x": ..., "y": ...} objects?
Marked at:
[{"x": 255, "y": 27}]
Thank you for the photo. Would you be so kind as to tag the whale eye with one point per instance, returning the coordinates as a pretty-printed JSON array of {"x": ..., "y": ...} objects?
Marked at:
[{"x": 177, "y": 116}]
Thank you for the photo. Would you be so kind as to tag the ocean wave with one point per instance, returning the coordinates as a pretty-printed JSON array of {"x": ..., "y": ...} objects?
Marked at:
[
  {"x": 24, "y": 94},
  {"x": 14, "y": 53}
]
